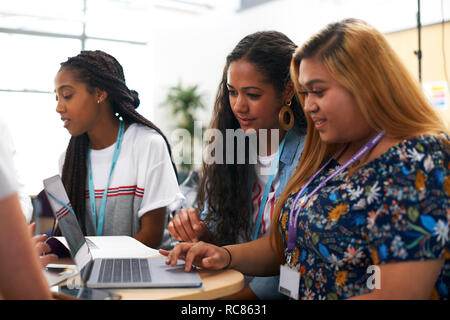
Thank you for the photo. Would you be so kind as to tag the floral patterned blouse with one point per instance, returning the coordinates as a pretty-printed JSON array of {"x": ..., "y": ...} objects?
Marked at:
[{"x": 393, "y": 209}]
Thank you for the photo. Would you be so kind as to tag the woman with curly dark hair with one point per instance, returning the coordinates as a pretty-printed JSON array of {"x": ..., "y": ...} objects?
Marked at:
[
  {"x": 236, "y": 199},
  {"x": 117, "y": 169}
]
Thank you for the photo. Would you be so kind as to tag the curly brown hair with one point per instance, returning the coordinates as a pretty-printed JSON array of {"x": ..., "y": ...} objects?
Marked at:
[{"x": 224, "y": 188}]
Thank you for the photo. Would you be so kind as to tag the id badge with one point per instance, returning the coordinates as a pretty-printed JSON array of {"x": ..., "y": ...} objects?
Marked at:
[{"x": 289, "y": 281}]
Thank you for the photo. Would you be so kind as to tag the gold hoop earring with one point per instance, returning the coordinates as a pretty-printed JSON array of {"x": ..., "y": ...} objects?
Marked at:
[{"x": 282, "y": 116}]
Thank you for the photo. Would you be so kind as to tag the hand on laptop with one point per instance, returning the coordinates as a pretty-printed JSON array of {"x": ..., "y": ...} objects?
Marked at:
[
  {"x": 41, "y": 247},
  {"x": 200, "y": 254}
]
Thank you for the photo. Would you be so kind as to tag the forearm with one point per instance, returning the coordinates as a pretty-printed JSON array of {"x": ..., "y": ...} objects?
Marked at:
[
  {"x": 409, "y": 280},
  {"x": 150, "y": 239},
  {"x": 256, "y": 258},
  {"x": 21, "y": 276},
  {"x": 152, "y": 228}
]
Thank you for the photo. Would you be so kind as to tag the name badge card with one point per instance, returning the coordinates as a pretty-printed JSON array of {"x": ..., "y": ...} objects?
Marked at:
[{"x": 289, "y": 282}]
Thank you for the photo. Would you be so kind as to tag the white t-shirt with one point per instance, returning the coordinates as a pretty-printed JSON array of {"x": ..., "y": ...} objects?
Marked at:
[
  {"x": 8, "y": 144},
  {"x": 143, "y": 180},
  {"x": 263, "y": 168}
]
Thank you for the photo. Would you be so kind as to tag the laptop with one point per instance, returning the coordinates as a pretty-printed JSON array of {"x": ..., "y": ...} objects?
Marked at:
[{"x": 112, "y": 272}]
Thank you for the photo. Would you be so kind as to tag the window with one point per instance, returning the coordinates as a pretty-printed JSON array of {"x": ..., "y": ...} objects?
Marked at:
[{"x": 36, "y": 36}]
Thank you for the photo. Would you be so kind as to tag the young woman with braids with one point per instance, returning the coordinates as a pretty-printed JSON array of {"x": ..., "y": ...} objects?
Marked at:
[
  {"x": 115, "y": 155},
  {"x": 236, "y": 201},
  {"x": 366, "y": 213}
]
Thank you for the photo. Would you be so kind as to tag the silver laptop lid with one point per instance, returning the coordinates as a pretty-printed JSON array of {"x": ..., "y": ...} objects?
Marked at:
[{"x": 67, "y": 221}]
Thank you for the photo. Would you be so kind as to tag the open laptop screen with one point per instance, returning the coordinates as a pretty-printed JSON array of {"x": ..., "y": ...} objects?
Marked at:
[{"x": 67, "y": 221}]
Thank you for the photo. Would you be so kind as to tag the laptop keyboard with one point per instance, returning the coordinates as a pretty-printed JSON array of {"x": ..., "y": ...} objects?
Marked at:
[{"x": 124, "y": 271}]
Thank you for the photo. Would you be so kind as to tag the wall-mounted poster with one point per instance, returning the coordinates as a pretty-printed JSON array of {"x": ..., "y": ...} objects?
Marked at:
[{"x": 438, "y": 94}]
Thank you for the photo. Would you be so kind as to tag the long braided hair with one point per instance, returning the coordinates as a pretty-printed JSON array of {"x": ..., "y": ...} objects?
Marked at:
[{"x": 97, "y": 69}]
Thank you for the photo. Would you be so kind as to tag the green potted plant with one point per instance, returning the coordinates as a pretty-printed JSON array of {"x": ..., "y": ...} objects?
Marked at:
[{"x": 184, "y": 102}]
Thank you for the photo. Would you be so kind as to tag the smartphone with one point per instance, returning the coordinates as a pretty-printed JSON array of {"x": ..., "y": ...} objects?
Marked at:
[{"x": 83, "y": 293}]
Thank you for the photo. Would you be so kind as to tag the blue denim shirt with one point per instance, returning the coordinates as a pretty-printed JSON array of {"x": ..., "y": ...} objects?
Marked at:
[
  {"x": 295, "y": 141},
  {"x": 266, "y": 288}
]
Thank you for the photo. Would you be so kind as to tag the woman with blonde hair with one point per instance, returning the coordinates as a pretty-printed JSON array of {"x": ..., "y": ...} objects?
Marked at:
[{"x": 365, "y": 215}]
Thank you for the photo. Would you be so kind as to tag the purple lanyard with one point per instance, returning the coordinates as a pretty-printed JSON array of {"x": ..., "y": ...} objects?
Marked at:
[{"x": 292, "y": 229}]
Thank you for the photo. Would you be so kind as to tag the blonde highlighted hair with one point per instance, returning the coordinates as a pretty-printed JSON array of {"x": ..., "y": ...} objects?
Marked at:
[{"x": 359, "y": 57}]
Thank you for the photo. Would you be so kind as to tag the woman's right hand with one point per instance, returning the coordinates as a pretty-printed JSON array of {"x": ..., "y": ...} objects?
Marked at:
[
  {"x": 200, "y": 254},
  {"x": 186, "y": 226},
  {"x": 41, "y": 247}
]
